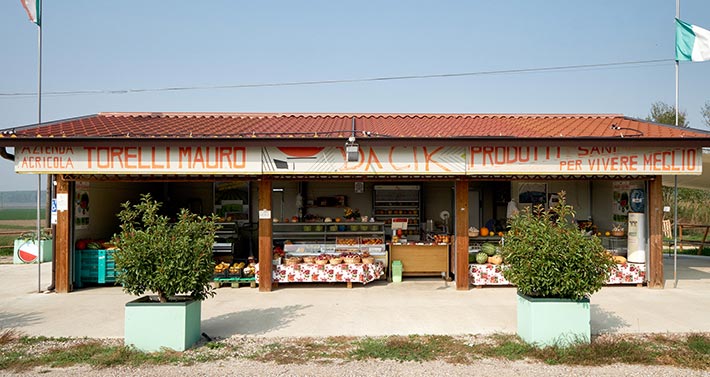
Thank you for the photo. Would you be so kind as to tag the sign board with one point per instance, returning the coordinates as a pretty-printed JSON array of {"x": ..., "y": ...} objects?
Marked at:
[
  {"x": 419, "y": 160},
  {"x": 62, "y": 202},
  {"x": 422, "y": 160},
  {"x": 264, "y": 214},
  {"x": 174, "y": 159},
  {"x": 54, "y": 211},
  {"x": 583, "y": 160}
]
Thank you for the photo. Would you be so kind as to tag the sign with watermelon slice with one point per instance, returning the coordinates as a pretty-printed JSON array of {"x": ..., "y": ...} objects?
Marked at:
[{"x": 28, "y": 252}]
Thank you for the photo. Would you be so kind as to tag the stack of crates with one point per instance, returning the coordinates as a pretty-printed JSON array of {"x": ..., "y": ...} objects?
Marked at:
[
  {"x": 397, "y": 271},
  {"x": 94, "y": 267}
]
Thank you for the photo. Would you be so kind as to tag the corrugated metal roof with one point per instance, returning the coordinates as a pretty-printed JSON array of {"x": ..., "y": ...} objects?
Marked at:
[{"x": 308, "y": 126}]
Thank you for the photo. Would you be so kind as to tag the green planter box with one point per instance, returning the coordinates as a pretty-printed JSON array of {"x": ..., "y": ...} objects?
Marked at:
[
  {"x": 548, "y": 321},
  {"x": 151, "y": 326},
  {"x": 26, "y": 251}
]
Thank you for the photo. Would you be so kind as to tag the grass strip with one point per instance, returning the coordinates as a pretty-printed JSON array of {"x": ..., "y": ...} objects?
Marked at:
[{"x": 20, "y": 353}]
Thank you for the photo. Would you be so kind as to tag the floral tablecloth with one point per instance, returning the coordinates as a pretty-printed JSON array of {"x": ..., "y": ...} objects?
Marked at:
[
  {"x": 311, "y": 272},
  {"x": 489, "y": 274}
]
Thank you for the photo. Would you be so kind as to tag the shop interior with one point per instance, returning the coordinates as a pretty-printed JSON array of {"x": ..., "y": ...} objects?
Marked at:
[{"x": 315, "y": 217}]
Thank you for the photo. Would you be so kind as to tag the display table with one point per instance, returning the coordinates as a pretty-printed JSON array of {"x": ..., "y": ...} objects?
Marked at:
[
  {"x": 421, "y": 259},
  {"x": 489, "y": 274},
  {"x": 328, "y": 273}
]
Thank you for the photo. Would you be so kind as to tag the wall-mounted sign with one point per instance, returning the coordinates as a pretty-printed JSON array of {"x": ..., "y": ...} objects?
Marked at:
[
  {"x": 420, "y": 160},
  {"x": 583, "y": 160},
  {"x": 175, "y": 159},
  {"x": 229, "y": 159}
]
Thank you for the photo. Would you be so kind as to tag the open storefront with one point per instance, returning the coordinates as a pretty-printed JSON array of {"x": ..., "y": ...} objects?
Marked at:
[{"x": 418, "y": 189}]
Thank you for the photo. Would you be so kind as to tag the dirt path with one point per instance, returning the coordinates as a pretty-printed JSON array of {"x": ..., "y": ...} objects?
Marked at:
[{"x": 25, "y": 223}]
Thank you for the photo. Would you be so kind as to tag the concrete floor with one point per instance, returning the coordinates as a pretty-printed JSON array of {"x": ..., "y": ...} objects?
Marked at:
[{"x": 415, "y": 306}]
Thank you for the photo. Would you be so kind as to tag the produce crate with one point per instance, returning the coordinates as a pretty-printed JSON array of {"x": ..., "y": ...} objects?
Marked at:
[
  {"x": 234, "y": 282},
  {"x": 94, "y": 267}
]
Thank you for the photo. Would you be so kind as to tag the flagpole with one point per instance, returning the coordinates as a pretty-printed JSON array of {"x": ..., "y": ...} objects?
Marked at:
[
  {"x": 675, "y": 187},
  {"x": 38, "y": 243},
  {"x": 677, "y": 15}
]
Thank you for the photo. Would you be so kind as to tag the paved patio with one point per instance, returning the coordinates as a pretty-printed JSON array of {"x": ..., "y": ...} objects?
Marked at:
[{"x": 415, "y": 306}]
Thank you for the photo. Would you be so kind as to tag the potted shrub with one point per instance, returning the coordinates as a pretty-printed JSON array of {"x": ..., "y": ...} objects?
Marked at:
[
  {"x": 26, "y": 249},
  {"x": 556, "y": 267},
  {"x": 173, "y": 261}
]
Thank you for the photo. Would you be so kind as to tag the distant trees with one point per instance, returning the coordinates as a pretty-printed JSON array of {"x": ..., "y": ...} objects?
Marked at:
[
  {"x": 664, "y": 113},
  {"x": 706, "y": 113}
]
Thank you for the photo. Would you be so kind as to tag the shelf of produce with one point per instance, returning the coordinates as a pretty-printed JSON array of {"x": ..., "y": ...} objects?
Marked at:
[
  {"x": 421, "y": 259},
  {"x": 328, "y": 273},
  {"x": 490, "y": 274}
]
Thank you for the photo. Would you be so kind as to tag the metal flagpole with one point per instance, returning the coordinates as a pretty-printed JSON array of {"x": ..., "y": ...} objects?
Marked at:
[
  {"x": 675, "y": 188},
  {"x": 38, "y": 243}
]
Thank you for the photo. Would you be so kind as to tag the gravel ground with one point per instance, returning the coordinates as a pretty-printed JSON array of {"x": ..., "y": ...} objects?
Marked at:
[
  {"x": 248, "y": 345},
  {"x": 375, "y": 367}
]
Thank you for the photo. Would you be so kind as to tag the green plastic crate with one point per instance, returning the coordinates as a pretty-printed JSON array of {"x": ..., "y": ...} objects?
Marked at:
[
  {"x": 397, "y": 271},
  {"x": 95, "y": 267}
]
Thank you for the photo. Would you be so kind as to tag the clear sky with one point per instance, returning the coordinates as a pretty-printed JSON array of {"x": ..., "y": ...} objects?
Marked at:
[{"x": 137, "y": 44}]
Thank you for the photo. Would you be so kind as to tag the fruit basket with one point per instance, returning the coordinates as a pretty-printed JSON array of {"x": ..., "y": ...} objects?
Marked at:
[
  {"x": 368, "y": 260},
  {"x": 309, "y": 259},
  {"x": 292, "y": 261},
  {"x": 336, "y": 260},
  {"x": 351, "y": 258}
]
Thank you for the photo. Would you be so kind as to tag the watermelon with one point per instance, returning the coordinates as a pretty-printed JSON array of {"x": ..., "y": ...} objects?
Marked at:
[
  {"x": 481, "y": 258},
  {"x": 489, "y": 249}
]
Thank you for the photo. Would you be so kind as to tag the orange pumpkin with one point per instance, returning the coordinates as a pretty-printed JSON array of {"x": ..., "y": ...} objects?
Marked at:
[{"x": 484, "y": 232}]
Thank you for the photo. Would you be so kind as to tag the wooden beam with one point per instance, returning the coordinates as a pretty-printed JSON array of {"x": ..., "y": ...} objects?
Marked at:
[
  {"x": 655, "y": 229},
  {"x": 265, "y": 242},
  {"x": 62, "y": 281},
  {"x": 461, "y": 235}
]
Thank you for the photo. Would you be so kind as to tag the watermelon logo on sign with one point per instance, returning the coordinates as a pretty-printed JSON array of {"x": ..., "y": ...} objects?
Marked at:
[{"x": 28, "y": 252}]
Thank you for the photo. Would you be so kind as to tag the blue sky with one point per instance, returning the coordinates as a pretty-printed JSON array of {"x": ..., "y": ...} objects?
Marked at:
[{"x": 130, "y": 44}]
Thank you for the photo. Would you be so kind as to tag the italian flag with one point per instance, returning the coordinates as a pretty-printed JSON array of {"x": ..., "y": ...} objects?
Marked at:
[
  {"x": 33, "y": 10},
  {"x": 691, "y": 42}
]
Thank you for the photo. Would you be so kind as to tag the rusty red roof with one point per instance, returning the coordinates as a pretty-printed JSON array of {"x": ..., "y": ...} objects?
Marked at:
[{"x": 308, "y": 126}]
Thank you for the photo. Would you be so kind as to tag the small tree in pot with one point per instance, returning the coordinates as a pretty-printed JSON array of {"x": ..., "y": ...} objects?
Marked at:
[
  {"x": 551, "y": 261},
  {"x": 172, "y": 260}
]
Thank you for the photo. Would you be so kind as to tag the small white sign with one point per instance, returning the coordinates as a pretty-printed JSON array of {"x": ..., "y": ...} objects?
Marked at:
[
  {"x": 62, "y": 202},
  {"x": 54, "y": 211},
  {"x": 264, "y": 214},
  {"x": 666, "y": 208}
]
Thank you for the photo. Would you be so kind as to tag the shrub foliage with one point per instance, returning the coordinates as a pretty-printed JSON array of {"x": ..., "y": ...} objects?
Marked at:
[
  {"x": 549, "y": 256},
  {"x": 165, "y": 258}
]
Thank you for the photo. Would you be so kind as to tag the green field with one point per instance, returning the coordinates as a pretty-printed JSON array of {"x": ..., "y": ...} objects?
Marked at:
[
  {"x": 20, "y": 213},
  {"x": 9, "y": 231}
]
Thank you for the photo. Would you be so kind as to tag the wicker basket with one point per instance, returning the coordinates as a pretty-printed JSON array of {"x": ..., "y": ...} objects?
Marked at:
[
  {"x": 473, "y": 233},
  {"x": 322, "y": 262},
  {"x": 368, "y": 260},
  {"x": 617, "y": 233},
  {"x": 293, "y": 261},
  {"x": 351, "y": 260},
  {"x": 336, "y": 260},
  {"x": 309, "y": 259}
]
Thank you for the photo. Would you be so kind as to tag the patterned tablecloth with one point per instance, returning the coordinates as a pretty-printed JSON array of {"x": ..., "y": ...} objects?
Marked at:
[
  {"x": 489, "y": 274},
  {"x": 311, "y": 272}
]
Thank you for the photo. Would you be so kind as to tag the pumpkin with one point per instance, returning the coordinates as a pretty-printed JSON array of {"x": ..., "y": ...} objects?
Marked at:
[
  {"x": 496, "y": 259},
  {"x": 484, "y": 232}
]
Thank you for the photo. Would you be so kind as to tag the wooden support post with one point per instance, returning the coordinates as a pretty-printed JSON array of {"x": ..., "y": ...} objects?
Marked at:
[
  {"x": 461, "y": 244},
  {"x": 265, "y": 243},
  {"x": 655, "y": 228},
  {"x": 62, "y": 281}
]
